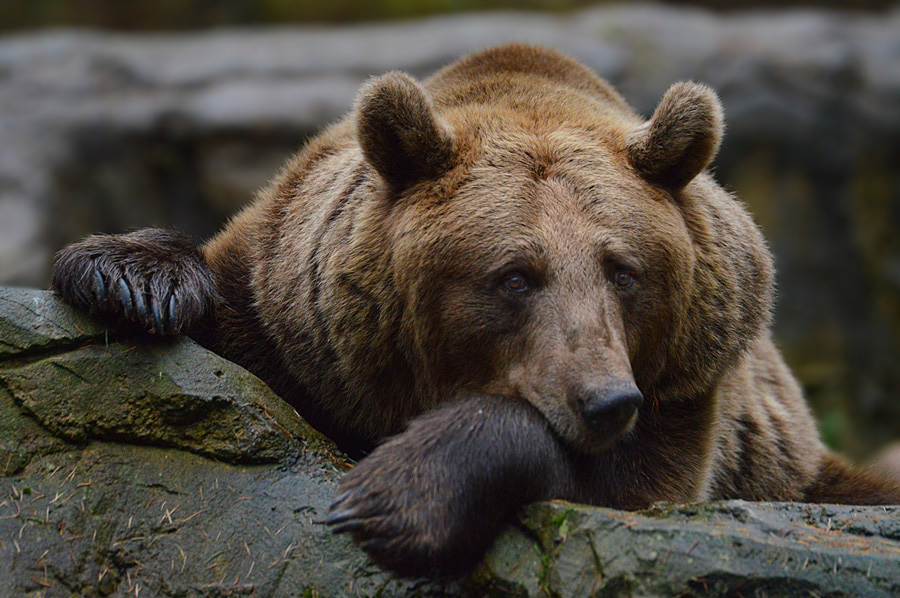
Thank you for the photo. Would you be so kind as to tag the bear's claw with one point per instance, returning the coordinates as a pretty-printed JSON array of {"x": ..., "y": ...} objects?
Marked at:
[
  {"x": 341, "y": 498},
  {"x": 339, "y": 517},
  {"x": 173, "y": 316},
  {"x": 134, "y": 302},
  {"x": 100, "y": 287},
  {"x": 354, "y": 526},
  {"x": 126, "y": 299},
  {"x": 152, "y": 279},
  {"x": 391, "y": 522}
]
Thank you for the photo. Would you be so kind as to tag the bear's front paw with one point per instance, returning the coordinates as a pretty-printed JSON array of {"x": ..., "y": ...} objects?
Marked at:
[
  {"x": 151, "y": 279},
  {"x": 431, "y": 500},
  {"x": 404, "y": 528}
]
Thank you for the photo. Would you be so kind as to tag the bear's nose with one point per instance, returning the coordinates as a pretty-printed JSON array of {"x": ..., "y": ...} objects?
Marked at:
[{"x": 610, "y": 410}]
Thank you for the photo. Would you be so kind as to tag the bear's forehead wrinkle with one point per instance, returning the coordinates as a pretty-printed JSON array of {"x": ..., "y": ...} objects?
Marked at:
[
  {"x": 631, "y": 233},
  {"x": 582, "y": 211},
  {"x": 587, "y": 216},
  {"x": 563, "y": 224},
  {"x": 589, "y": 166}
]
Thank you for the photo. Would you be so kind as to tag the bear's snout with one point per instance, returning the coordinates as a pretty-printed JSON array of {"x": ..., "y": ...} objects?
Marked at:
[{"x": 610, "y": 410}]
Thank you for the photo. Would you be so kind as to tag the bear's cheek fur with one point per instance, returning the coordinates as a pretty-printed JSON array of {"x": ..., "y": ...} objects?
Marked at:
[
  {"x": 656, "y": 312},
  {"x": 489, "y": 345},
  {"x": 478, "y": 333},
  {"x": 469, "y": 339}
]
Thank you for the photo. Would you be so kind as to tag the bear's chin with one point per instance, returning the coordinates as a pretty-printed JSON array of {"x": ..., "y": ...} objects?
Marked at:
[{"x": 594, "y": 441}]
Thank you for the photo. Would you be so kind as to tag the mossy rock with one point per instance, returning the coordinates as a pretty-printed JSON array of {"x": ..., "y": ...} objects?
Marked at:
[{"x": 155, "y": 467}]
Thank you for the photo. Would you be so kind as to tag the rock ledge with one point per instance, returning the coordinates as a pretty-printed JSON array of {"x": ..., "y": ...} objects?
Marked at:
[{"x": 159, "y": 467}]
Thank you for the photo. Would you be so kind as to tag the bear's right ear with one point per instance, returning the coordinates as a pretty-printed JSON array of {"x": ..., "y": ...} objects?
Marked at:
[
  {"x": 400, "y": 134},
  {"x": 680, "y": 139}
]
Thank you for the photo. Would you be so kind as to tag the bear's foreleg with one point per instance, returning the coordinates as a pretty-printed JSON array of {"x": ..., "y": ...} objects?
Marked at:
[
  {"x": 431, "y": 500},
  {"x": 152, "y": 279}
]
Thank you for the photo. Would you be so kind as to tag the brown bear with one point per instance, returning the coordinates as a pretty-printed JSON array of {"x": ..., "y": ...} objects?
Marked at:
[{"x": 537, "y": 292}]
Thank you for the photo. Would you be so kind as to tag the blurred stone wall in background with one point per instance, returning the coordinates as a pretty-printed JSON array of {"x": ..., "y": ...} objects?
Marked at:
[
  {"x": 106, "y": 132},
  {"x": 169, "y": 15}
]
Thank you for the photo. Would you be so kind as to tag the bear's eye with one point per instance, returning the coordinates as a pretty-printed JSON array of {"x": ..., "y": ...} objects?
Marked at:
[
  {"x": 623, "y": 280},
  {"x": 515, "y": 282}
]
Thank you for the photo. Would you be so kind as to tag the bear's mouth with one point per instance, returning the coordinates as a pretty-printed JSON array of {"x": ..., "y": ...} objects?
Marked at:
[
  {"x": 575, "y": 431},
  {"x": 604, "y": 437}
]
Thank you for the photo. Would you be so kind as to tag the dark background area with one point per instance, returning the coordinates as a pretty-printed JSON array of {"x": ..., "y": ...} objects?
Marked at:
[
  {"x": 173, "y": 113},
  {"x": 131, "y": 15}
]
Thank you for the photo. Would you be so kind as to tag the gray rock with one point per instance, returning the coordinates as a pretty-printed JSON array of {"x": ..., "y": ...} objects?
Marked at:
[
  {"x": 160, "y": 468},
  {"x": 732, "y": 548},
  {"x": 33, "y": 323}
]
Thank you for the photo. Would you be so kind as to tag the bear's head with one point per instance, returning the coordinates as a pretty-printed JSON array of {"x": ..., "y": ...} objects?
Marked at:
[{"x": 549, "y": 245}]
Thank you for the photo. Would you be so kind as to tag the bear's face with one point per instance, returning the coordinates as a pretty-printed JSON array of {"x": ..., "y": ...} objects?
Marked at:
[
  {"x": 553, "y": 273},
  {"x": 552, "y": 259}
]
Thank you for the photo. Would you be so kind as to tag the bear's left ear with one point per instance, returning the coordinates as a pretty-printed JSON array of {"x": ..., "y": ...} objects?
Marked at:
[
  {"x": 681, "y": 138},
  {"x": 400, "y": 134}
]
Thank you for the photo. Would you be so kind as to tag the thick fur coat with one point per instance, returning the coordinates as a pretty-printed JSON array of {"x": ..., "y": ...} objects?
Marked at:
[{"x": 576, "y": 306}]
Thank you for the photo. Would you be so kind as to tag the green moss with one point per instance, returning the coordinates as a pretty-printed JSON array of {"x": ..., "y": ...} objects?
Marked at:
[
  {"x": 543, "y": 581},
  {"x": 561, "y": 523}
]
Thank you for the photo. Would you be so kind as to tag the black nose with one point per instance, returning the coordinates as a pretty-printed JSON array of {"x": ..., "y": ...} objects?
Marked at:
[{"x": 610, "y": 409}]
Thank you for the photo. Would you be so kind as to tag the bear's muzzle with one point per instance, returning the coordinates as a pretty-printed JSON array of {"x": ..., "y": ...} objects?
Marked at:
[{"x": 609, "y": 411}]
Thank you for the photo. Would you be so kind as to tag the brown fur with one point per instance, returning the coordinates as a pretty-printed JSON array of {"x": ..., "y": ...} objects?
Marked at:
[{"x": 512, "y": 231}]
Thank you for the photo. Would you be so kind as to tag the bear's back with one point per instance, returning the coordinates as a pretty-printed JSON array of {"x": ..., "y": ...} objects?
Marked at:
[{"x": 510, "y": 72}]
